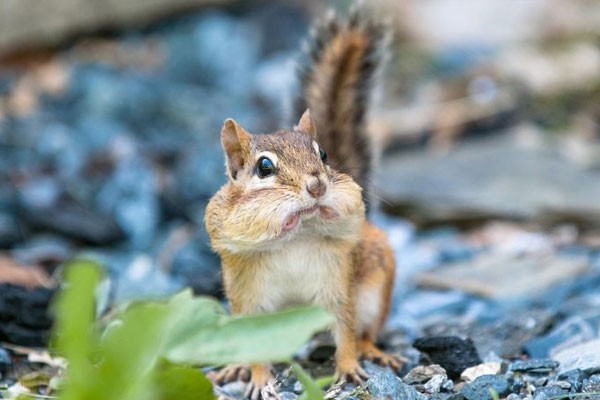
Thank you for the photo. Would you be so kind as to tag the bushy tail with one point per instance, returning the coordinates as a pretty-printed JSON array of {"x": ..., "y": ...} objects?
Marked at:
[{"x": 336, "y": 81}]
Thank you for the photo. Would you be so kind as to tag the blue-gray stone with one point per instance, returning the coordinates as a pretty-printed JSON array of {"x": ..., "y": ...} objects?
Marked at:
[
  {"x": 198, "y": 268},
  {"x": 533, "y": 365},
  {"x": 576, "y": 329},
  {"x": 11, "y": 230},
  {"x": 384, "y": 384},
  {"x": 592, "y": 384},
  {"x": 130, "y": 195},
  {"x": 483, "y": 388},
  {"x": 5, "y": 361},
  {"x": 575, "y": 377},
  {"x": 550, "y": 391}
]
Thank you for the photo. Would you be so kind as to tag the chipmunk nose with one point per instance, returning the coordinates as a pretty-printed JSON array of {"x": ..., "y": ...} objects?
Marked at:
[{"x": 316, "y": 187}]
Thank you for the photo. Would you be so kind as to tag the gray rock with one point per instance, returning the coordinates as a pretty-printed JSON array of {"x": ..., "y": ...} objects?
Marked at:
[
  {"x": 585, "y": 356},
  {"x": 436, "y": 383},
  {"x": 129, "y": 195},
  {"x": 482, "y": 387},
  {"x": 491, "y": 176},
  {"x": 233, "y": 390},
  {"x": 592, "y": 384},
  {"x": 288, "y": 396},
  {"x": 11, "y": 230},
  {"x": 574, "y": 377},
  {"x": 423, "y": 373},
  {"x": 576, "y": 329},
  {"x": 384, "y": 384},
  {"x": 440, "y": 396},
  {"x": 533, "y": 365},
  {"x": 199, "y": 268},
  {"x": 550, "y": 391},
  {"x": 5, "y": 361},
  {"x": 561, "y": 384},
  {"x": 50, "y": 250}
]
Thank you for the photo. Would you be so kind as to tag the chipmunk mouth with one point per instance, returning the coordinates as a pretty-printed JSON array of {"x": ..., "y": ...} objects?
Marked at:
[{"x": 293, "y": 219}]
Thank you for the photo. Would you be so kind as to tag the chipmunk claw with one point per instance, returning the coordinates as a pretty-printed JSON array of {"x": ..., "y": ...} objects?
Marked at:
[
  {"x": 393, "y": 361},
  {"x": 256, "y": 391},
  {"x": 231, "y": 373},
  {"x": 357, "y": 376}
]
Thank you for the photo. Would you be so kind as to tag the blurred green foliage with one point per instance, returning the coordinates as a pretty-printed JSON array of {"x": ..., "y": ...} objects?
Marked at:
[{"x": 151, "y": 350}]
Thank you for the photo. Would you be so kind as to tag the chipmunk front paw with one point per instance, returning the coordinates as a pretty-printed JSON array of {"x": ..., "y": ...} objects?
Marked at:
[
  {"x": 351, "y": 374},
  {"x": 262, "y": 384},
  {"x": 231, "y": 373},
  {"x": 373, "y": 354},
  {"x": 260, "y": 379}
]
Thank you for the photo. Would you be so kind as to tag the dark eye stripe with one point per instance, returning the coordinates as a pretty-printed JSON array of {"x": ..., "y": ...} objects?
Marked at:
[{"x": 264, "y": 167}]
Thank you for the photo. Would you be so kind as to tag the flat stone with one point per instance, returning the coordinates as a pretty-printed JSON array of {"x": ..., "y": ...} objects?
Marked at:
[
  {"x": 585, "y": 356},
  {"x": 31, "y": 24},
  {"x": 481, "y": 388},
  {"x": 579, "y": 328},
  {"x": 490, "y": 177},
  {"x": 452, "y": 353},
  {"x": 489, "y": 368},
  {"x": 76, "y": 221},
  {"x": 494, "y": 276},
  {"x": 561, "y": 384},
  {"x": 534, "y": 365}
]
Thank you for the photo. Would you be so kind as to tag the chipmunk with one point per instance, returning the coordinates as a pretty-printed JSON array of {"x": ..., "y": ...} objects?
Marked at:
[{"x": 290, "y": 225}]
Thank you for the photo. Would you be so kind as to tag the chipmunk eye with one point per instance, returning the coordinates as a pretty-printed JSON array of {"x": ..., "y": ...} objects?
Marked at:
[
  {"x": 323, "y": 155},
  {"x": 264, "y": 167}
]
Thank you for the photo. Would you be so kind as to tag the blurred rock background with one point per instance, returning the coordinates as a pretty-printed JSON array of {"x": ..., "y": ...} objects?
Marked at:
[{"x": 488, "y": 114}]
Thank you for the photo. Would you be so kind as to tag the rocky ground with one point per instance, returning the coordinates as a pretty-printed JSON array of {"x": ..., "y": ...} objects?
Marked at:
[{"x": 110, "y": 148}]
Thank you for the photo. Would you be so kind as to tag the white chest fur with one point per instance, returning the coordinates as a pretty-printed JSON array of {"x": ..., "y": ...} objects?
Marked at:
[{"x": 306, "y": 272}]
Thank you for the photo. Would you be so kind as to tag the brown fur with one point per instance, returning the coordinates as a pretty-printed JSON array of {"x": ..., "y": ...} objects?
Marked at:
[
  {"x": 343, "y": 58},
  {"x": 299, "y": 235}
]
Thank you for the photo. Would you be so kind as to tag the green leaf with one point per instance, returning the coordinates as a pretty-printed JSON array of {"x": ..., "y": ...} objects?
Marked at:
[
  {"x": 130, "y": 351},
  {"x": 247, "y": 339},
  {"x": 173, "y": 382},
  {"x": 312, "y": 391},
  {"x": 74, "y": 335}
]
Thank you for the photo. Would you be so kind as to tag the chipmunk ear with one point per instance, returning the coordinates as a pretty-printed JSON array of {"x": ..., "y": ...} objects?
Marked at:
[
  {"x": 306, "y": 125},
  {"x": 236, "y": 143}
]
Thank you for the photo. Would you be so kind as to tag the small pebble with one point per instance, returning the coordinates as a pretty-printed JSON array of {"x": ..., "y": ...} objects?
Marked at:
[
  {"x": 561, "y": 384},
  {"x": 435, "y": 384},
  {"x": 472, "y": 373},
  {"x": 422, "y": 373}
]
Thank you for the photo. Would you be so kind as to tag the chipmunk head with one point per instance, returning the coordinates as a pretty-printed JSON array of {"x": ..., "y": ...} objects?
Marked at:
[{"x": 283, "y": 187}]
